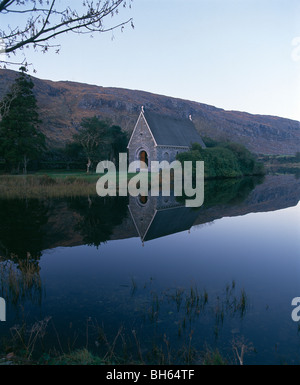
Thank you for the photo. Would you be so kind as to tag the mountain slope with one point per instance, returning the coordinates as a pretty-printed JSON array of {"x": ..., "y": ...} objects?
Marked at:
[{"x": 63, "y": 104}]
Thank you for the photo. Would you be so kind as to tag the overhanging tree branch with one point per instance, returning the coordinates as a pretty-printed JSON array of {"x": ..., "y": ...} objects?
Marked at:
[{"x": 39, "y": 26}]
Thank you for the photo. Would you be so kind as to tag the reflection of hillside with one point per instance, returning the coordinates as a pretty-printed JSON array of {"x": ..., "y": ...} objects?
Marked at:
[
  {"x": 222, "y": 199},
  {"x": 84, "y": 220},
  {"x": 29, "y": 227},
  {"x": 275, "y": 193}
]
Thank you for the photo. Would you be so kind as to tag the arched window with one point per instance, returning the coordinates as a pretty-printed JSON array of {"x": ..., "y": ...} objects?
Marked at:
[{"x": 143, "y": 199}]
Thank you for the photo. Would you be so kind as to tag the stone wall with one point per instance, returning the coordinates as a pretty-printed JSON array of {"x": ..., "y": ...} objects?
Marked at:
[
  {"x": 141, "y": 140},
  {"x": 168, "y": 153}
]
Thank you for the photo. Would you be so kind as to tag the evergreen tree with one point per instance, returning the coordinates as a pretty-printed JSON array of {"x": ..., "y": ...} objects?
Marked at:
[{"x": 20, "y": 138}]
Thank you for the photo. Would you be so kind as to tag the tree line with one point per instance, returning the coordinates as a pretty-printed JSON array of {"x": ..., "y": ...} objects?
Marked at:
[{"x": 22, "y": 141}]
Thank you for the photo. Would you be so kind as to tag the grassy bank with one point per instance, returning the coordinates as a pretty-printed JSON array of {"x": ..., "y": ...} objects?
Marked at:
[
  {"x": 47, "y": 186},
  {"x": 85, "y": 357},
  {"x": 50, "y": 185}
]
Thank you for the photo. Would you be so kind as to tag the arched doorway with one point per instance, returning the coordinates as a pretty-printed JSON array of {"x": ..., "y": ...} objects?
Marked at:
[{"x": 144, "y": 157}]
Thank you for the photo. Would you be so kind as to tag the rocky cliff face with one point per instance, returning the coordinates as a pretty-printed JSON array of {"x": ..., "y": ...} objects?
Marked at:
[{"x": 63, "y": 104}]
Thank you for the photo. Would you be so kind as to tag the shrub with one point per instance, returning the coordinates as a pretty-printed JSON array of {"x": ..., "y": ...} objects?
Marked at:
[{"x": 226, "y": 160}]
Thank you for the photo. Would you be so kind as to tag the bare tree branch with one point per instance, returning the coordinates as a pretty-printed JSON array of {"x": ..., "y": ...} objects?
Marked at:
[
  {"x": 5, "y": 102},
  {"x": 38, "y": 26}
]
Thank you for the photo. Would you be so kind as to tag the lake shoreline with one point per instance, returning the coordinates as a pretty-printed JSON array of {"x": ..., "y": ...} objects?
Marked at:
[{"x": 66, "y": 184}]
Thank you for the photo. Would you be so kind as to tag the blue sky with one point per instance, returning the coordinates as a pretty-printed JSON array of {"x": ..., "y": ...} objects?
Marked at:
[{"x": 233, "y": 54}]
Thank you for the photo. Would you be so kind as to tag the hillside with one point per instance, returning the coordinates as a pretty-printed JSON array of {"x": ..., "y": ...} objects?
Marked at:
[{"x": 63, "y": 104}]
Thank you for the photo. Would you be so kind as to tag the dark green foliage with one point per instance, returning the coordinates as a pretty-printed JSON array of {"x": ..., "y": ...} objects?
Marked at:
[
  {"x": 98, "y": 217},
  {"x": 73, "y": 151},
  {"x": 69, "y": 157},
  {"x": 99, "y": 141},
  {"x": 20, "y": 138},
  {"x": 93, "y": 138},
  {"x": 21, "y": 228},
  {"x": 230, "y": 191},
  {"x": 209, "y": 142},
  {"x": 246, "y": 160},
  {"x": 118, "y": 142},
  {"x": 225, "y": 160},
  {"x": 96, "y": 140}
]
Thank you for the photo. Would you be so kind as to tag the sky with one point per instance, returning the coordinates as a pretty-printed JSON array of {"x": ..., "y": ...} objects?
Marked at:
[{"x": 233, "y": 54}]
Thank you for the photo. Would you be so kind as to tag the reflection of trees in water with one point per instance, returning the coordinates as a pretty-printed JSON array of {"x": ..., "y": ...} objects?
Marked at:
[
  {"x": 98, "y": 217},
  {"x": 226, "y": 191},
  {"x": 22, "y": 223},
  {"x": 229, "y": 191},
  {"x": 21, "y": 231},
  {"x": 21, "y": 245},
  {"x": 22, "y": 239}
]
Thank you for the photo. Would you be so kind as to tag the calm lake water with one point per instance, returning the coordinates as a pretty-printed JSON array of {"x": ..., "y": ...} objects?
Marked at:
[{"x": 151, "y": 279}]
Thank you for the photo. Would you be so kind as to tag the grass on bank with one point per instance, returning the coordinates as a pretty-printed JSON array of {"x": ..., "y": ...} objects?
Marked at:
[
  {"x": 51, "y": 185},
  {"x": 37, "y": 186},
  {"x": 85, "y": 357}
]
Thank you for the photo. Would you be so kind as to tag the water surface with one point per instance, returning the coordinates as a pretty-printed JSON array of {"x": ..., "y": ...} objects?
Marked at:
[{"x": 168, "y": 281}]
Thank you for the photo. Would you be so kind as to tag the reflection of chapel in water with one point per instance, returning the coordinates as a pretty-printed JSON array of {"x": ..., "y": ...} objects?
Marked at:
[{"x": 156, "y": 217}]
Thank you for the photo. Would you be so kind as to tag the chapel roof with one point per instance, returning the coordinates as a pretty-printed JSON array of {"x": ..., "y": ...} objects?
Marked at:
[
  {"x": 171, "y": 131},
  {"x": 170, "y": 221}
]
